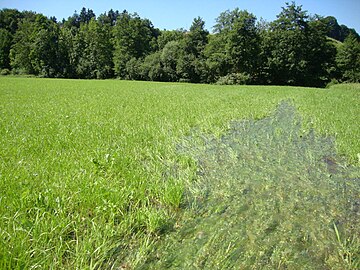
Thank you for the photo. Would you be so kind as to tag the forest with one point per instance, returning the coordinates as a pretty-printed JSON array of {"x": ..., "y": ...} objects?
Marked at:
[{"x": 295, "y": 49}]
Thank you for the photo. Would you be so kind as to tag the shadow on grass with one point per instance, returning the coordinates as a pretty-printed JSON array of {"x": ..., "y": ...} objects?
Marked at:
[{"x": 267, "y": 195}]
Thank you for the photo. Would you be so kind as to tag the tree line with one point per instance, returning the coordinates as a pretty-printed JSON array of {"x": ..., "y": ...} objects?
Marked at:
[{"x": 295, "y": 49}]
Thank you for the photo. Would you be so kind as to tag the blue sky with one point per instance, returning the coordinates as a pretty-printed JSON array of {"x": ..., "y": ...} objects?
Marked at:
[{"x": 179, "y": 14}]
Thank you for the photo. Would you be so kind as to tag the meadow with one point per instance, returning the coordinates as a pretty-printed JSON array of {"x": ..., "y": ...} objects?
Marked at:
[{"x": 143, "y": 175}]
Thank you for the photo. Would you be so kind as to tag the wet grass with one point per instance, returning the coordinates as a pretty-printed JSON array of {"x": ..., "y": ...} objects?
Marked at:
[
  {"x": 101, "y": 174},
  {"x": 267, "y": 195}
]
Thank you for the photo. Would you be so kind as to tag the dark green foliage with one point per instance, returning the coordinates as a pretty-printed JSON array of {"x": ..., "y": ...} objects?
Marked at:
[
  {"x": 169, "y": 58},
  {"x": 243, "y": 44},
  {"x": 5, "y": 45},
  {"x": 217, "y": 61},
  {"x": 348, "y": 59},
  {"x": 23, "y": 42},
  {"x": 9, "y": 19},
  {"x": 236, "y": 46},
  {"x": 109, "y": 17},
  {"x": 70, "y": 47},
  {"x": 5, "y": 72},
  {"x": 45, "y": 48},
  {"x": 132, "y": 69},
  {"x": 133, "y": 37},
  {"x": 151, "y": 68},
  {"x": 95, "y": 61},
  {"x": 234, "y": 79},
  {"x": 295, "y": 49},
  {"x": 283, "y": 46},
  {"x": 86, "y": 15},
  {"x": 196, "y": 39},
  {"x": 190, "y": 65},
  {"x": 336, "y": 31},
  {"x": 166, "y": 36},
  {"x": 186, "y": 67},
  {"x": 36, "y": 47},
  {"x": 76, "y": 20}
]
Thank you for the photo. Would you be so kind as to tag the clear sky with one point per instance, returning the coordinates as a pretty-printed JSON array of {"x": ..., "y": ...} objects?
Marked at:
[{"x": 167, "y": 14}]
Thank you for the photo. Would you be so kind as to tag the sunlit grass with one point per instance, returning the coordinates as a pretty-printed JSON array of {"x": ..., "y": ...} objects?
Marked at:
[
  {"x": 267, "y": 195},
  {"x": 91, "y": 174}
]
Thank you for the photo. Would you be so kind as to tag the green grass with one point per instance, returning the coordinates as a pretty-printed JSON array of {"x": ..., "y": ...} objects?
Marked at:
[
  {"x": 267, "y": 195},
  {"x": 93, "y": 174}
]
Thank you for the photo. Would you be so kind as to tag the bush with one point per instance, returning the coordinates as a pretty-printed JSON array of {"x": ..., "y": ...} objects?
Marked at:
[
  {"x": 184, "y": 80},
  {"x": 332, "y": 82},
  {"x": 133, "y": 69},
  {"x": 20, "y": 71},
  {"x": 5, "y": 72},
  {"x": 234, "y": 79}
]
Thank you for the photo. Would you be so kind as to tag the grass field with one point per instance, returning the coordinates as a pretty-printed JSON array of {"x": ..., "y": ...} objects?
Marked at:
[{"x": 138, "y": 175}]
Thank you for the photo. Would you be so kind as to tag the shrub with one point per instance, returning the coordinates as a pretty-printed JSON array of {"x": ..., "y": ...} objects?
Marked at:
[
  {"x": 5, "y": 72},
  {"x": 234, "y": 79},
  {"x": 132, "y": 69},
  {"x": 332, "y": 82},
  {"x": 184, "y": 80}
]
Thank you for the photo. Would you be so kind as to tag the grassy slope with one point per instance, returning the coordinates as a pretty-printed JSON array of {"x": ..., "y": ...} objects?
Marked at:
[{"x": 82, "y": 162}]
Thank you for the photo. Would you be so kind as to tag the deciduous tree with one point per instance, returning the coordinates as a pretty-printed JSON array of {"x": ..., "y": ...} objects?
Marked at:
[
  {"x": 5, "y": 45},
  {"x": 348, "y": 59},
  {"x": 133, "y": 37},
  {"x": 95, "y": 60},
  {"x": 191, "y": 61},
  {"x": 296, "y": 50}
]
